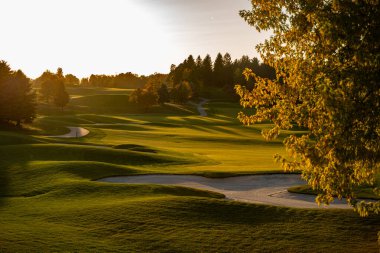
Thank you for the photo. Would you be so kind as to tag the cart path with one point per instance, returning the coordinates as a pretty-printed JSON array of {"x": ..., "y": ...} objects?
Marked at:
[
  {"x": 262, "y": 189},
  {"x": 201, "y": 110}
]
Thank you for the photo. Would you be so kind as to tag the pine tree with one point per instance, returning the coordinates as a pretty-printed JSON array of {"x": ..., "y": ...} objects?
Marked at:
[
  {"x": 206, "y": 71},
  {"x": 218, "y": 73}
]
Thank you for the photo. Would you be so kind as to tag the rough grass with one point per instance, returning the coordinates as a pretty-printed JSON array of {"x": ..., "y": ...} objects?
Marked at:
[{"x": 49, "y": 201}]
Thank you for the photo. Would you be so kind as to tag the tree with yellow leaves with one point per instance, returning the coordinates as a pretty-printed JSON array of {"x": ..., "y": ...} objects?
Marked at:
[{"x": 327, "y": 59}]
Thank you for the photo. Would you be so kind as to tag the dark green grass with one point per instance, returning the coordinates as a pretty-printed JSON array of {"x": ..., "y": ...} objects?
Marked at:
[
  {"x": 66, "y": 152},
  {"x": 56, "y": 207},
  {"x": 10, "y": 138},
  {"x": 360, "y": 192},
  {"x": 136, "y": 147},
  {"x": 172, "y": 219}
]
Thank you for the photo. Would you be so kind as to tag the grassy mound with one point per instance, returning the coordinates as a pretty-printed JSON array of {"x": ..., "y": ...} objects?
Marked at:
[
  {"x": 135, "y": 147},
  {"x": 11, "y": 138}
]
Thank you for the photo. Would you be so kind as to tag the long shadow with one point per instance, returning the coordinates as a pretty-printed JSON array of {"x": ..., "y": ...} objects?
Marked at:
[
  {"x": 234, "y": 141},
  {"x": 5, "y": 178}
]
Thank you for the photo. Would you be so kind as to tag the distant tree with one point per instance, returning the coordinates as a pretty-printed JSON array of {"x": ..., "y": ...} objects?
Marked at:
[
  {"x": 327, "y": 57},
  {"x": 59, "y": 74},
  {"x": 71, "y": 80},
  {"x": 123, "y": 80},
  {"x": 144, "y": 98},
  {"x": 189, "y": 62},
  {"x": 206, "y": 71},
  {"x": 47, "y": 75},
  {"x": 198, "y": 62},
  {"x": 181, "y": 93},
  {"x": 163, "y": 94},
  {"x": 155, "y": 81},
  {"x": 135, "y": 95},
  {"x": 218, "y": 74},
  {"x": 45, "y": 84},
  {"x": 47, "y": 90},
  {"x": 228, "y": 71},
  {"x": 84, "y": 82},
  {"x": 17, "y": 99},
  {"x": 61, "y": 97}
]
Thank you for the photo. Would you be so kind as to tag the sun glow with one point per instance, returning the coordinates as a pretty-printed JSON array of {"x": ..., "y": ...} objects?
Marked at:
[{"x": 92, "y": 36}]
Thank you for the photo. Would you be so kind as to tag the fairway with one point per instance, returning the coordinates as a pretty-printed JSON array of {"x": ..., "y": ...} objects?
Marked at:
[{"x": 51, "y": 200}]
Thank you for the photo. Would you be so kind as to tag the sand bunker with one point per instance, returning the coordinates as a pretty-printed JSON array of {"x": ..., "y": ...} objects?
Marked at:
[
  {"x": 75, "y": 132},
  {"x": 263, "y": 189}
]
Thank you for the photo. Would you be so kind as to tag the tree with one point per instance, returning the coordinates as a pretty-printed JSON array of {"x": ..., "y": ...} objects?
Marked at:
[
  {"x": 145, "y": 98},
  {"x": 71, "y": 80},
  {"x": 84, "y": 82},
  {"x": 219, "y": 71},
  {"x": 61, "y": 97},
  {"x": 163, "y": 94},
  {"x": 47, "y": 90},
  {"x": 45, "y": 83},
  {"x": 206, "y": 71},
  {"x": 182, "y": 92},
  {"x": 17, "y": 99},
  {"x": 327, "y": 57},
  {"x": 228, "y": 73}
]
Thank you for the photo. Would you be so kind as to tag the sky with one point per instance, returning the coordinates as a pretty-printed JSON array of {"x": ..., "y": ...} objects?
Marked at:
[{"x": 87, "y": 37}]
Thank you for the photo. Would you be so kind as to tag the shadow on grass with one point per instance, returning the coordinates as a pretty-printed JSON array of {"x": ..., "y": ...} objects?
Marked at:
[{"x": 4, "y": 182}]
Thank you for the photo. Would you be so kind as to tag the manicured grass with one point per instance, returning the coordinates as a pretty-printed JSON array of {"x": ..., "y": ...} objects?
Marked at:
[
  {"x": 50, "y": 201},
  {"x": 362, "y": 192}
]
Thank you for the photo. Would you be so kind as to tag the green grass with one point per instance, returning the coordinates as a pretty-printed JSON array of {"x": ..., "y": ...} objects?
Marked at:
[
  {"x": 50, "y": 201},
  {"x": 361, "y": 192}
]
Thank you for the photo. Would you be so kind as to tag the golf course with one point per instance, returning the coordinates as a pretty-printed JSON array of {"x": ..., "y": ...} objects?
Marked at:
[{"x": 55, "y": 195}]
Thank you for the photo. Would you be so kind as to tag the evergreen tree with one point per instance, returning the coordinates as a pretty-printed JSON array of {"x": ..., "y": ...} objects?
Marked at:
[
  {"x": 17, "y": 100},
  {"x": 228, "y": 71},
  {"x": 206, "y": 71},
  {"x": 218, "y": 74}
]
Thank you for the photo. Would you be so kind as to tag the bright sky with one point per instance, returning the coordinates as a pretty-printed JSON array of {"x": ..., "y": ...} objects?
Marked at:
[{"x": 112, "y": 36}]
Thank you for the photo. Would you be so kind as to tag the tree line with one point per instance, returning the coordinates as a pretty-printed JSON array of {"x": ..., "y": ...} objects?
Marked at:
[
  {"x": 126, "y": 80},
  {"x": 194, "y": 78},
  {"x": 204, "y": 75}
]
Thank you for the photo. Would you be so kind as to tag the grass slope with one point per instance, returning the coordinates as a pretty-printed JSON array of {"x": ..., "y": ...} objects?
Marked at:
[{"x": 49, "y": 201}]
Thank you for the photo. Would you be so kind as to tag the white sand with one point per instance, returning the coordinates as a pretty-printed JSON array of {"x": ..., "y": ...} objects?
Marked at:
[
  {"x": 75, "y": 132},
  {"x": 263, "y": 189}
]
